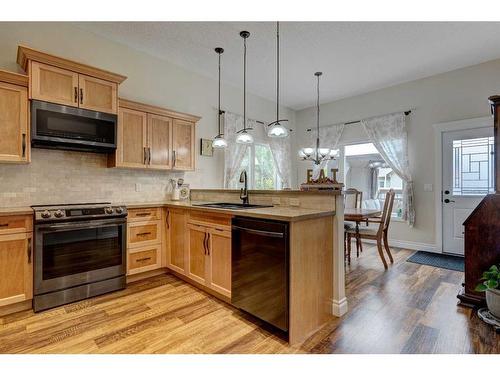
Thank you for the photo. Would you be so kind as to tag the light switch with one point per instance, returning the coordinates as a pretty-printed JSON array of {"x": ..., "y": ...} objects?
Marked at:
[
  {"x": 427, "y": 187},
  {"x": 138, "y": 187}
]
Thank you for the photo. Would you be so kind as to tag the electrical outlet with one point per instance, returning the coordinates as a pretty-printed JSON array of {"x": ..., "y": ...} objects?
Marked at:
[
  {"x": 276, "y": 200},
  {"x": 294, "y": 202},
  {"x": 138, "y": 187}
]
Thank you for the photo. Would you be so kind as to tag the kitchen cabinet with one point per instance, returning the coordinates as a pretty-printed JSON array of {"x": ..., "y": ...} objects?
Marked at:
[
  {"x": 154, "y": 138},
  {"x": 58, "y": 80},
  {"x": 209, "y": 252},
  {"x": 16, "y": 259},
  {"x": 183, "y": 148},
  {"x": 14, "y": 114},
  {"x": 145, "y": 244},
  {"x": 61, "y": 86},
  {"x": 177, "y": 237}
]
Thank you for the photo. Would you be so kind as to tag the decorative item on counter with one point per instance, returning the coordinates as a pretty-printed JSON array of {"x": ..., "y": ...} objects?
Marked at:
[
  {"x": 323, "y": 182},
  {"x": 184, "y": 192},
  {"x": 176, "y": 184},
  {"x": 206, "y": 148}
]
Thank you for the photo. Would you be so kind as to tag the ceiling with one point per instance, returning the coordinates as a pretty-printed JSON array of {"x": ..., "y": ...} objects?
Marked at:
[{"x": 355, "y": 57}]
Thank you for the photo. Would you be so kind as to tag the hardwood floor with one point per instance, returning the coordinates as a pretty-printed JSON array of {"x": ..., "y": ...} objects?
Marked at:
[{"x": 408, "y": 309}]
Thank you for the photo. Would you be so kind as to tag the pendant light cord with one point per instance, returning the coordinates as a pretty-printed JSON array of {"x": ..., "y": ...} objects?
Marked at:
[
  {"x": 278, "y": 72},
  {"x": 317, "y": 118},
  {"x": 244, "y": 84},
  {"x": 219, "y": 95}
]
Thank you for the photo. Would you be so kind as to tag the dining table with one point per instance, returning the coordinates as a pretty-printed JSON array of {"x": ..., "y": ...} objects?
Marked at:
[{"x": 359, "y": 215}]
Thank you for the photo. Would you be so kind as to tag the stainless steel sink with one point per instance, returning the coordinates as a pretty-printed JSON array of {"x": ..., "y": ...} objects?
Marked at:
[{"x": 231, "y": 206}]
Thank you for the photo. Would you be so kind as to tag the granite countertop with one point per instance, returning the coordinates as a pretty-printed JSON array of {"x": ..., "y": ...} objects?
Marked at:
[{"x": 283, "y": 213}]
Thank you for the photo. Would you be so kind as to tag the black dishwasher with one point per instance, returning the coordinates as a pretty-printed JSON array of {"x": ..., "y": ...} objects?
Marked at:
[{"x": 259, "y": 279}]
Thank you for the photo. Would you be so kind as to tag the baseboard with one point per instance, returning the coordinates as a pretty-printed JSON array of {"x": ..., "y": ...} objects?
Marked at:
[
  {"x": 339, "y": 308},
  {"x": 410, "y": 245}
]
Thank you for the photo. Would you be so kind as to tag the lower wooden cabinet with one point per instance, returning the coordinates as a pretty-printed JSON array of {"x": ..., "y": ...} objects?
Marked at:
[
  {"x": 144, "y": 259},
  {"x": 16, "y": 266},
  {"x": 177, "y": 237},
  {"x": 209, "y": 257}
]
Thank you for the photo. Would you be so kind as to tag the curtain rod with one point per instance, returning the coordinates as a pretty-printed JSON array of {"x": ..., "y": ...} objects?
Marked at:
[{"x": 358, "y": 121}]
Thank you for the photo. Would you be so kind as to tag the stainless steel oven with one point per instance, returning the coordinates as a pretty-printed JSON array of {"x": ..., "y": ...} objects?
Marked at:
[
  {"x": 79, "y": 252},
  {"x": 63, "y": 127}
]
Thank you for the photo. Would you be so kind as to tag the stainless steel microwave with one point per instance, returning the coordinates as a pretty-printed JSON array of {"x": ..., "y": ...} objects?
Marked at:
[{"x": 63, "y": 127}]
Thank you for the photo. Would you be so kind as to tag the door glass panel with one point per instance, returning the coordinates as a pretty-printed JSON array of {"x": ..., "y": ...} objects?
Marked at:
[
  {"x": 80, "y": 250},
  {"x": 473, "y": 166}
]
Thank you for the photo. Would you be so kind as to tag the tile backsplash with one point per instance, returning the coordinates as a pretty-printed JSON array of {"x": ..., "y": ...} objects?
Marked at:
[{"x": 56, "y": 176}]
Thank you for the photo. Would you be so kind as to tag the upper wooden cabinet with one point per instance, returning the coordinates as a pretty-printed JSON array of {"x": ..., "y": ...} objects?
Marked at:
[
  {"x": 183, "y": 147},
  {"x": 58, "y": 80},
  {"x": 14, "y": 141},
  {"x": 154, "y": 138}
]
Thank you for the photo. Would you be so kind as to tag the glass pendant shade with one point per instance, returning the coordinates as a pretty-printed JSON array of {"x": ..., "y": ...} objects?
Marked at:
[
  {"x": 323, "y": 152},
  {"x": 277, "y": 131},
  {"x": 308, "y": 151},
  {"x": 244, "y": 138},
  {"x": 334, "y": 153},
  {"x": 219, "y": 142}
]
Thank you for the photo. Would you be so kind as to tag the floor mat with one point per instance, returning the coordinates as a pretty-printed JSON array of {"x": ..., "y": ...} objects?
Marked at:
[{"x": 448, "y": 262}]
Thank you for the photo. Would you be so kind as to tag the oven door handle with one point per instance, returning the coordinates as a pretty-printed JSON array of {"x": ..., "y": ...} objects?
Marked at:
[{"x": 80, "y": 225}]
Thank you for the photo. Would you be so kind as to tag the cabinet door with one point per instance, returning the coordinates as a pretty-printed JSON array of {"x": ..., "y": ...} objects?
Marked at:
[
  {"x": 219, "y": 247},
  {"x": 54, "y": 85},
  {"x": 14, "y": 141},
  {"x": 177, "y": 237},
  {"x": 16, "y": 268},
  {"x": 97, "y": 94},
  {"x": 198, "y": 253},
  {"x": 132, "y": 129},
  {"x": 159, "y": 141},
  {"x": 183, "y": 134}
]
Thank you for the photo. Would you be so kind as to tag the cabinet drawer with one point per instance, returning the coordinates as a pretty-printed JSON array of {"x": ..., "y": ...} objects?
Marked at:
[
  {"x": 209, "y": 219},
  {"x": 140, "y": 234},
  {"x": 144, "y": 214},
  {"x": 144, "y": 259},
  {"x": 16, "y": 224}
]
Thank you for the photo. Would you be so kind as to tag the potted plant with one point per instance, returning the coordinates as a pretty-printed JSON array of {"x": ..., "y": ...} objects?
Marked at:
[{"x": 489, "y": 284}]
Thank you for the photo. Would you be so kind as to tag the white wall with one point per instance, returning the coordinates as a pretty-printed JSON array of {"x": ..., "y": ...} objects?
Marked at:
[
  {"x": 456, "y": 95},
  {"x": 150, "y": 80}
]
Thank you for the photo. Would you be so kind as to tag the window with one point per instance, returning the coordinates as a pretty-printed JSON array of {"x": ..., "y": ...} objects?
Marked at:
[
  {"x": 261, "y": 169},
  {"x": 361, "y": 159},
  {"x": 473, "y": 166}
]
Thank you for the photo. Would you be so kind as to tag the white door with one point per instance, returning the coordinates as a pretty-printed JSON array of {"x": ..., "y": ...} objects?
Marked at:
[{"x": 467, "y": 178}]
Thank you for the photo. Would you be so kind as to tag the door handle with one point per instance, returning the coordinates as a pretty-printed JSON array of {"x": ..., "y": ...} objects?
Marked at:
[
  {"x": 448, "y": 201},
  {"x": 149, "y": 155},
  {"x": 145, "y": 155},
  {"x": 208, "y": 243},
  {"x": 24, "y": 145},
  {"x": 29, "y": 250},
  {"x": 76, "y": 94},
  {"x": 205, "y": 243},
  {"x": 168, "y": 216},
  {"x": 174, "y": 157},
  {"x": 81, "y": 96}
]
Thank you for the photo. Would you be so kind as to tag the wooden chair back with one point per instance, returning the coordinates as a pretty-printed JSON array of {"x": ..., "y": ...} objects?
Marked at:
[
  {"x": 353, "y": 198},
  {"x": 385, "y": 220}
]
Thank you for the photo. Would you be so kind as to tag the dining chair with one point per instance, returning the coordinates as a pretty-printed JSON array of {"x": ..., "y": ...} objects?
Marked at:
[
  {"x": 353, "y": 199},
  {"x": 380, "y": 234}
]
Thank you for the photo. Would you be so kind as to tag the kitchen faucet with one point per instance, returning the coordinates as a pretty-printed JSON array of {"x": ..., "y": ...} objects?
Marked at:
[{"x": 244, "y": 190}]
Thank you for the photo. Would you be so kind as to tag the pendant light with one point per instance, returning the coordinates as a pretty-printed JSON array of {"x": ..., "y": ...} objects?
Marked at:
[
  {"x": 318, "y": 154},
  {"x": 219, "y": 141},
  {"x": 243, "y": 136},
  {"x": 276, "y": 128}
]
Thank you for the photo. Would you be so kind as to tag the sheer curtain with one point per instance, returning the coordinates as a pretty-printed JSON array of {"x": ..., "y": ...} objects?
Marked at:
[
  {"x": 234, "y": 152},
  {"x": 329, "y": 136},
  {"x": 388, "y": 134},
  {"x": 281, "y": 151}
]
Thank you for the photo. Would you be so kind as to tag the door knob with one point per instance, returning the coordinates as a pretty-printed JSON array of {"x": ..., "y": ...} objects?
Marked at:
[
  {"x": 447, "y": 192},
  {"x": 448, "y": 201}
]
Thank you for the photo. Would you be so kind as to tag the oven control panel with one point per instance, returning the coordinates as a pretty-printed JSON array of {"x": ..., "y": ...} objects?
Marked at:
[{"x": 78, "y": 212}]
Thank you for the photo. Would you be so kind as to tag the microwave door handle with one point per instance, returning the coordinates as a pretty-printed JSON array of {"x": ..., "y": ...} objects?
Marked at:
[{"x": 260, "y": 232}]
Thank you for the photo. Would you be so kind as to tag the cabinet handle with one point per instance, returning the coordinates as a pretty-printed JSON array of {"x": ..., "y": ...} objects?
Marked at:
[
  {"x": 174, "y": 157},
  {"x": 145, "y": 155},
  {"x": 208, "y": 243},
  {"x": 24, "y": 145},
  {"x": 143, "y": 214},
  {"x": 4, "y": 225},
  {"x": 143, "y": 234},
  {"x": 205, "y": 243},
  {"x": 29, "y": 250},
  {"x": 143, "y": 259},
  {"x": 81, "y": 96},
  {"x": 168, "y": 216},
  {"x": 149, "y": 155},
  {"x": 76, "y": 94}
]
